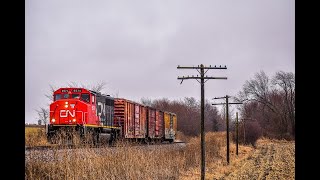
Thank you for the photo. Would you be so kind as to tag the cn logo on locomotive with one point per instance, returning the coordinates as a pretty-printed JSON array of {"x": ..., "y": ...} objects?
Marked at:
[{"x": 64, "y": 113}]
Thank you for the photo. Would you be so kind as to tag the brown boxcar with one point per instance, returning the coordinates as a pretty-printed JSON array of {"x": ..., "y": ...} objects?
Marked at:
[
  {"x": 151, "y": 123},
  {"x": 140, "y": 121},
  {"x": 159, "y": 130},
  {"x": 131, "y": 117}
]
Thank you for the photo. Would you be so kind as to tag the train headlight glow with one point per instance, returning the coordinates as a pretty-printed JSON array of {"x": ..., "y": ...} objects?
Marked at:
[
  {"x": 66, "y": 106},
  {"x": 53, "y": 120},
  {"x": 66, "y": 102},
  {"x": 74, "y": 120}
]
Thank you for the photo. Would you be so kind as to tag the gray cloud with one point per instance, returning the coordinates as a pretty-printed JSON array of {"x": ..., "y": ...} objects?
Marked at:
[{"x": 135, "y": 46}]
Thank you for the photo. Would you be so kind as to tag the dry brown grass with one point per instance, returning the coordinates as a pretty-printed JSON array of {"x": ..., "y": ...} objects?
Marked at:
[
  {"x": 122, "y": 162},
  {"x": 272, "y": 159},
  {"x": 35, "y": 136},
  {"x": 119, "y": 163},
  {"x": 163, "y": 162}
]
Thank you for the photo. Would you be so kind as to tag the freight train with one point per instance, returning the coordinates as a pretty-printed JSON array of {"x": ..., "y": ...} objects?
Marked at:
[{"x": 95, "y": 115}]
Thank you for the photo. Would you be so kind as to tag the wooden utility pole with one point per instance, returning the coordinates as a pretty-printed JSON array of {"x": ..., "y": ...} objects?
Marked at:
[
  {"x": 202, "y": 78},
  {"x": 237, "y": 133},
  {"x": 227, "y": 120}
]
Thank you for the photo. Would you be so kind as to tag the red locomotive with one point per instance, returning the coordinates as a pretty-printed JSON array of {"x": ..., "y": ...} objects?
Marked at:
[{"x": 89, "y": 112}]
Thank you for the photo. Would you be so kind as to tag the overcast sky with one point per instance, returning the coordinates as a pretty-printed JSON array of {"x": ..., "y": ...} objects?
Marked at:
[{"x": 135, "y": 46}]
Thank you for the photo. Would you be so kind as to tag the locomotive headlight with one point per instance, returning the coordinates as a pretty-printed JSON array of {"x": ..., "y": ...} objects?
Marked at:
[
  {"x": 66, "y": 106},
  {"x": 53, "y": 120},
  {"x": 66, "y": 102},
  {"x": 74, "y": 120}
]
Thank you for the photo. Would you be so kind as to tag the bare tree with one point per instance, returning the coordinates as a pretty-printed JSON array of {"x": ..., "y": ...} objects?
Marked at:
[
  {"x": 272, "y": 104},
  {"x": 286, "y": 82},
  {"x": 211, "y": 117},
  {"x": 97, "y": 87},
  {"x": 146, "y": 101},
  {"x": 162, "y": 104},
  {"x": 43, "y": 115},
  {"x": 49, "y": 95}
]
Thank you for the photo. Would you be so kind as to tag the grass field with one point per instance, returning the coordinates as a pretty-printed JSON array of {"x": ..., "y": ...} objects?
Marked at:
[
  {"x": 271, "y": 159},
  {"x": 35, "y": 136}
]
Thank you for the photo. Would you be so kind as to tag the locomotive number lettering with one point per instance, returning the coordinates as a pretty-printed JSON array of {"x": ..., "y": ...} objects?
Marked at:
[
  {"x": 64, "y": 113},
  {"x": 64, "y": 90},
  {"x": 76, "y": 90}
]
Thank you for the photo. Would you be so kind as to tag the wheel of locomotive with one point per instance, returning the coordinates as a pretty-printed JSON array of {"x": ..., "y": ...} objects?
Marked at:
[
  {"x": 112, "y": 137},
  {"x": 95, "y": 137},
  {"x": 171, "y": 141},
  {"x": 82, "y": 132}
]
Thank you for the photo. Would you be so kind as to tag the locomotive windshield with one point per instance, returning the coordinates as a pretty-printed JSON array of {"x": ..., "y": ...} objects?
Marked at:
[
  {"x": 82, "y": 96},
  {"x": 65, "y": 96},
  {"x": 57, "y": 97},
  {"x": 85, "y": 97},
  {"x": 75, "y": 96}
]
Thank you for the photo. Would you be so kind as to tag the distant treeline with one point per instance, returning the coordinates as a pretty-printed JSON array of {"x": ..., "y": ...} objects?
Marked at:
[
  {"x": 188, "y": 113},
  {"x": 268, "y": 109}
]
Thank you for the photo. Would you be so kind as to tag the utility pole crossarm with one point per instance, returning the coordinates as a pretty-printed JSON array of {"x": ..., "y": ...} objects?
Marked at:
[
  {"x": 225, "y": 103},
  {"x": 204, "y": 67},
  {"x": 188, "y": 77},
  {"x": 236, "y": 103},
  {"x": 219, "y": 97},
  {"x": 219, "y": 104}
]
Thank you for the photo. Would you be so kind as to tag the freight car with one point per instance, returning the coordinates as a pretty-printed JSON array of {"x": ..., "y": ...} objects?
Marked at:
[{"x": 95, "y": 115}]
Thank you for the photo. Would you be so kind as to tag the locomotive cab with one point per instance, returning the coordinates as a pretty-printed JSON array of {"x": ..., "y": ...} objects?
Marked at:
[
  {"x": 81, "y": 110},
  {"x": 73, "y": 106}
]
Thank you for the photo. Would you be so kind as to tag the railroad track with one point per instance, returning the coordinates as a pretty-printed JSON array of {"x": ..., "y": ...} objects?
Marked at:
[{"x": 70, "y": 146}]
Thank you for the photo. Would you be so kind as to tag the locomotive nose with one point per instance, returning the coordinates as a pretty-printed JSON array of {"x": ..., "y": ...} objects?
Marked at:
[{"x": 66, "y": 112}]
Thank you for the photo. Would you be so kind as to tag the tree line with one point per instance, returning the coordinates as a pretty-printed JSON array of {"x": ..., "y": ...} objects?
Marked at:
[{"x": 268, "y": 109}]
